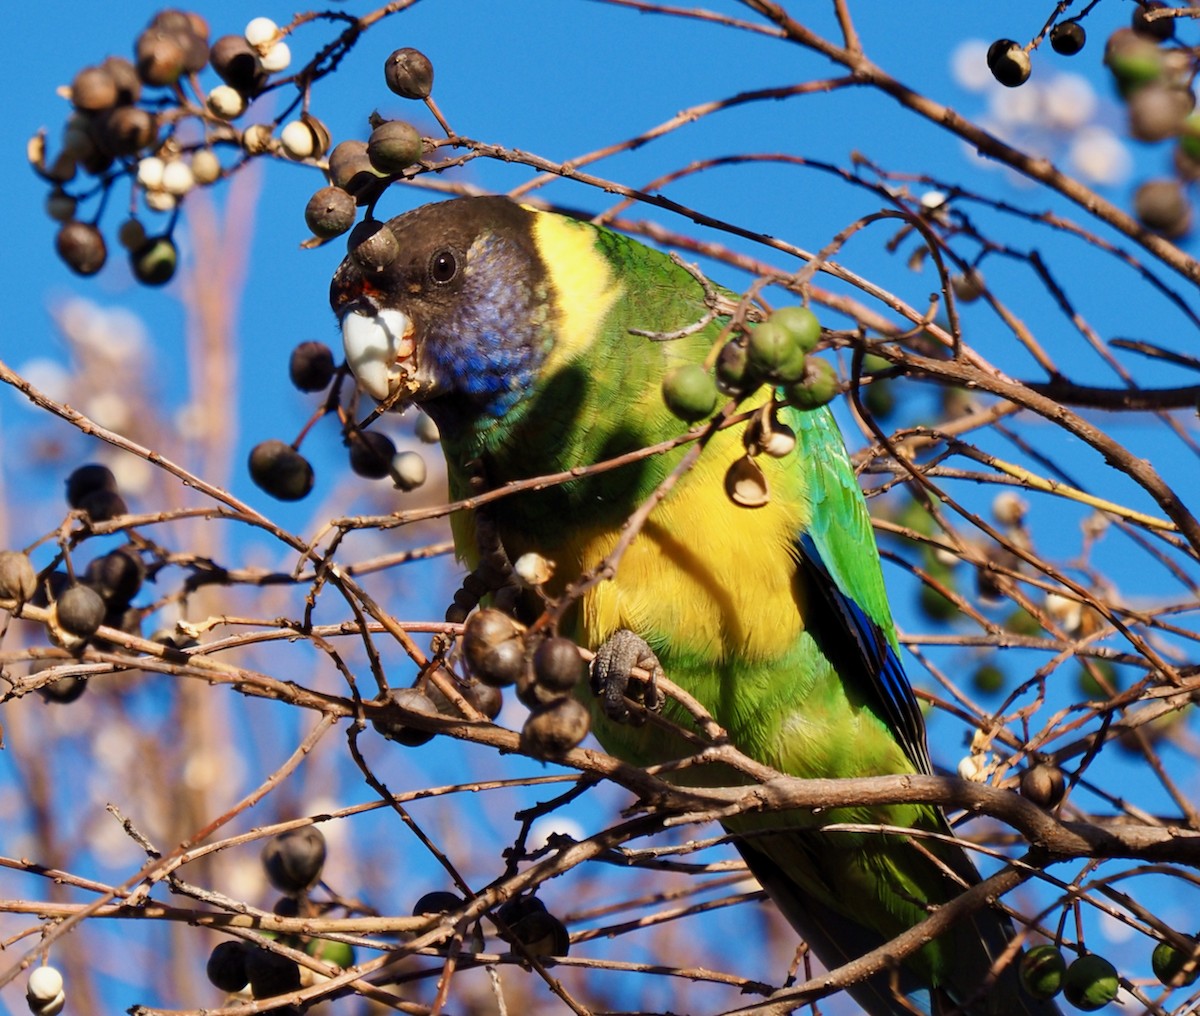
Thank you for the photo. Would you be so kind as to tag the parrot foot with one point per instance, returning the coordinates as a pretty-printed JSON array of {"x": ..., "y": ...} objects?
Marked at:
[{"x": 612, "y": 669}]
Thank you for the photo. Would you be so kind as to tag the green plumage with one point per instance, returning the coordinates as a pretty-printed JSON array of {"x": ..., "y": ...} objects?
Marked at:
[{"x": 775, "y": 618}]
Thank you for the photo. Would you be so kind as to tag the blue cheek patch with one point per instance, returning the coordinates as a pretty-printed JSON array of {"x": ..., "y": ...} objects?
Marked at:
[{"x": 495, "y": 343}]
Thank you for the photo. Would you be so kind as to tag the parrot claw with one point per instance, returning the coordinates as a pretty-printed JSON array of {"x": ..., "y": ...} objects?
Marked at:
[{"x": 612, "y": 668}]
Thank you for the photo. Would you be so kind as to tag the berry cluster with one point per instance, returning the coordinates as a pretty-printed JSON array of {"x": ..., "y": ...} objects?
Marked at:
[
  {"x": 501, "y": 654},
  {"x": 293, "y": 861},
  {"x": 79, "y": 603},
  {"x": 151, "y": 121},
  {"x": 1153, "y": 74}
]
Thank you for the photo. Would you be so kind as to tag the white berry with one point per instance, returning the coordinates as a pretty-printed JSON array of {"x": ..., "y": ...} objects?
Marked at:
[
  {"x": 226, "y": 102},
  {"x": 150, "y": 172},
  {"x": 261, "y": 32},
  {"x": 177, "y": 178},
  {"x": 408, "y": 470},
  {"x": 206, "y": 167},
  {"x": 297, "y": 139},
  {"x": 43, "y": 985},
  {"x": 277, "y": 58}
]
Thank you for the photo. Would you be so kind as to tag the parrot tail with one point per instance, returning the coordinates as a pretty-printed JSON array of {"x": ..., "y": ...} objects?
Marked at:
[{"x": 837, "y": 939}]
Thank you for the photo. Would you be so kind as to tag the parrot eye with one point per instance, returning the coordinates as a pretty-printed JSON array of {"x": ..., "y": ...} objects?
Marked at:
[{"x": 443, "y": 267}]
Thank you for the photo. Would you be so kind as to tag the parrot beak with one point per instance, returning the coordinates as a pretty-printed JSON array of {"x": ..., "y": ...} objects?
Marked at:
[{"x": 379, "y": 347}]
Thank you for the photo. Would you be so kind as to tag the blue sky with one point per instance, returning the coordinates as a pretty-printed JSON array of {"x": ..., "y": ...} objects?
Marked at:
[{"x": 561, "y": 78}]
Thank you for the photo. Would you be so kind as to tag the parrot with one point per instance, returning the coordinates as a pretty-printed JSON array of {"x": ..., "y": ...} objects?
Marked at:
[{"x": 538, "y": 343}]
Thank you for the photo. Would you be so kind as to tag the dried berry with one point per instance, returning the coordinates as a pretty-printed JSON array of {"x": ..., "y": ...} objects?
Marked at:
[
  {"x": 409, "y": 73},
  {"x": 116, "y": 576},
  {"x": 18, "y": 578},
  {"x": 87, "y": 480},
  {"x": 226, "y": 967},
  {"x": 394, "y": 146},
  {"x": 1067, "y": 38},
  {"x": 93, "y": 89},
  {"x": 280, "y": 470},
  {"x": 558, "y": 666},
  {"x": 494, "y": 648},
  {"x": 373, "y": 245},
  {"x": 437, "y": 902},
  {"x": 293, "y": 859},
  {"x": 81, "y": 247},
  {"x": 237, "y": 63},
  {"x": 1009, "y": 63},
  {"x": 350, "y": 169},
  {"x": 270, "y": 974},
  {"x": 330, "y": 212},
  {"x": 371, "y": 453},
  {"x": 1044, "y": 785},
  {"x": 311, "y": 366},
  {"x": 397, "y": 730},
  {"x": 553, "y": 730},
  {"x": 1162, "y": 205},
  {"x": 80, "y": 611}
]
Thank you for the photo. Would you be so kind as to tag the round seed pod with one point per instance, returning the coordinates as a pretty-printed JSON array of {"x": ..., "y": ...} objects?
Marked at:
[
  {"x": 394, "y": 146},
  {"x": 1162, "y": 205},
  {"x": 293, "y": 859},
  {"x": 125, "y": 77},
  {"x": 1009, "y": 63},
  {"x": 226, "y": 966},
  {"x": 238, "y": 64},
  {"x": 80, "y": 611},
  {"x": 371, "y": 453},
  {"x": 557, "y": 665},
  {"x": 44, "y": 985},
  {"x": 494, "y": 648},
  {"x": 1067, "y": 38},
  {"x": 93, "y": 89},
  {"x": 350, "y": 169},
  {"x": 311, "y": 366},
  {"x": 81, "y": 247},
  {"x": 408, "y": 470},
  {"x": 1043, "y": 784},
  {"x": 63, "y": 690},
  {"x": 271, "y": 974},
  {"x": 801, "y": 324},
  {"x": 409, "y": 73},
  {"x": 280, "y": 470},
  {"x": 553, "y": 730},
  {"x": 161, "y": 57},
  {"x": 775, "y": 352},
  {"x": 397, "y": 730},
  {"x": 437, "y": 902},
  {"x": 18, "y": 577},
  {"x": 735, "y": 376},
  {"x": 116, "y": 576},
  {"x": 372, "y": 245},
  {"x": 817, "y": 387},
  {"x": 330, "y": 212}
]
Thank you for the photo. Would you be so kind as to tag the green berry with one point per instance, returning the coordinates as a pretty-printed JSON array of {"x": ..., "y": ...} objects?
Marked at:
[
  {"x": 801, "y": 324},
  {"x": 340, "y": 954},
  {"x": 1169, "y": 962},
  {"x": 690, "y": 392},
  {"x": 1042, "y": 971},
  {"x": 1090, "y": 982},
  {"x": 816, "y": 388},
  {"x": 775, "y": 352},
  {"x": 988, "y": 679}
]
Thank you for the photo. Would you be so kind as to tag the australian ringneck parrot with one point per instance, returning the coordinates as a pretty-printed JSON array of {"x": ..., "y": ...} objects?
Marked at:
[{"x": 514, "y": 330}]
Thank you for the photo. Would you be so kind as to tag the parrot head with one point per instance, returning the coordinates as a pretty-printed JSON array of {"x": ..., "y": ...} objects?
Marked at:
[{"x": 453, "y": 314}]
